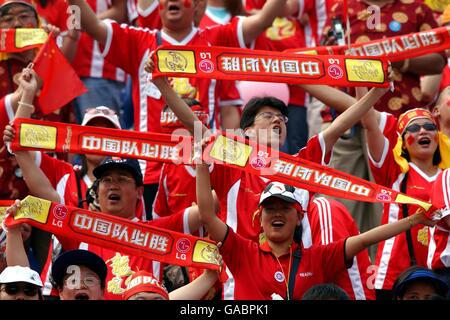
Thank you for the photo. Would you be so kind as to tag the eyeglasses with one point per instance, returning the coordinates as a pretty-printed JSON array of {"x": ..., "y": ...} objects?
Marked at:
[
  {"x": 14, "y": 288},
  {"x": 105, "y": 111},
  {"x": 429, "y": 126},
  {"x": 120, "y": 180},
  {"x": 74, "y": 283},
  {"x": 270, "y": 115}
]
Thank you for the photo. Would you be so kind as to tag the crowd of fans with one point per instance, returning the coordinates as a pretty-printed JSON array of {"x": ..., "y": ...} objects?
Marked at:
[{"x": 276, "y": 241}]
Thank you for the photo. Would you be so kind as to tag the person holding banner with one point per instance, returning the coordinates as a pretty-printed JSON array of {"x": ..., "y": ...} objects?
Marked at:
[
  {"x": 177, "y": 28},
  {"x": 279, "y": 266},
  {"x": 404, "y": 155}
]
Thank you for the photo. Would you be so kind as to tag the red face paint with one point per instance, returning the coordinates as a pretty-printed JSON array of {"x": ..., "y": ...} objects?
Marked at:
[
  {"x": 161, "y": 6},
  {"x": 448, "y": 102},
  {"x": 410, "y": 140},
  {"x": 187, "y": 3}
]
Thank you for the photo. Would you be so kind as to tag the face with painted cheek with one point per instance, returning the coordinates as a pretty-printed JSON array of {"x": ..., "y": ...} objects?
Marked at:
[
  {"x": 177, "y": 14},
  {"x": 421, "y": 143}
]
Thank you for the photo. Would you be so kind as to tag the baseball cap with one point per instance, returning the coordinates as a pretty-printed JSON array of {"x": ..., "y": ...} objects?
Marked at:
[
  {"x": 420, "y": 274},
  {"x": 143, "y": 281},
  {"x": 101, "y": 112},
  {"x": 79, "y": 258},
  {"x": 20, "y": 274},
  {"x": 285, "y": 192},
  {"x": 4, "y": 3},
  {"x": 131, "y": 165}
]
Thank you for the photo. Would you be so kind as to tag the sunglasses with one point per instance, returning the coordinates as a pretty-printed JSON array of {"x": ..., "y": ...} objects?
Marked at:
[
  {"x": 105, "y": 111},
  {"x": 14, "y": 288},
  {"x": 416, "y": 127}
]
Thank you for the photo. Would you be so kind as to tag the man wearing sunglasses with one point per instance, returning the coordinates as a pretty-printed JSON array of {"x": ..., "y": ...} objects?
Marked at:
[{"x": 20, "y": 283}]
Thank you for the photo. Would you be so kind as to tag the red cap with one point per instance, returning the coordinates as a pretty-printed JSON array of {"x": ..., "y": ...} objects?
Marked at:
[
  {"x": 410, "y": 115},
  {"x": 143, "y": 281},
  {"x": 440, "y": 197}
]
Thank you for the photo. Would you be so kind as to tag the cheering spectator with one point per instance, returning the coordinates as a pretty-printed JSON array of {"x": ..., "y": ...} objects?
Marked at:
[{"x": 20, "y": 283}]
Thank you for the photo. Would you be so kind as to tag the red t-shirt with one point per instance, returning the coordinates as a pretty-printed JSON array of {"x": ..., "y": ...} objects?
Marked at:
[
  {"x": 330, "y": 221},
  {"x": 88, "y": 61},
  {"x": 124, "y": 41},
  {"x": 149, "y": 18},
  {"x": 392, "y": 255},
  {"x": 258, "y": 274}
]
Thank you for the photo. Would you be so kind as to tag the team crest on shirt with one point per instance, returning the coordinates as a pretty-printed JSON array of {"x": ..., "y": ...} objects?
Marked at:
[
  {"x": 281, "y": 28},
  {"x": 422, "y": 236},
  {"x": 183, "y": 87},
  {"x": 279, "y": 276}
]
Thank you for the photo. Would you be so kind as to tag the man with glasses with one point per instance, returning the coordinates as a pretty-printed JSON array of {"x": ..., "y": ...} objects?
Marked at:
[
  {"x": 79, "y": 275},
  {"x": 20, "y": 283}
]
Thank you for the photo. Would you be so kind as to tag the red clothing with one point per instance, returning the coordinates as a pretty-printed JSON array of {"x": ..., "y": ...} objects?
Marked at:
[
  {"x": 396, "y": 18},
  {"x": 121, "y": 266},
  {"x": 330, "y": 221},
  {"x": 258, "y": 274},
  {"x": 239, "y": 192},
  {"x": 88, "y": 61},
  {"x": 149, "y": 18},
  {"x": 124, "y": 41},
  {"x": 176, "y": 189},
  {"x": 392, "y": 255},
  {"x": 55, "y": 13},
  {"x": 285, "y": 33},
  {"x": 445, "y": 82}
]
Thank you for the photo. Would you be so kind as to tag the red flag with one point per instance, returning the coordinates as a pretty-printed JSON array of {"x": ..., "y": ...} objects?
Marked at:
[{"x": 61, "y": 83}]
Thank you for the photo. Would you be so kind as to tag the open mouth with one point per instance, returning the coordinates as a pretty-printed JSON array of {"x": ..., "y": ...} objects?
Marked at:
[
  {"x": 114, "y": 197},
  {"x": 174, "y": 8},
  {"x": 277, "y": 130},
  {"x": 425, "y": 141},
  {"x": 278, "y": 223},
  {"x": 81, "y": 296}
]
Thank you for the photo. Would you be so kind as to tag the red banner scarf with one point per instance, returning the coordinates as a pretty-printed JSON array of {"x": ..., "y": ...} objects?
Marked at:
[
  {"x": 225, "y": 63},
  {"x": 395, "y": 48},
  {"x": 116, "y": 233},
  {"x": 18, "y": 40},
  {"x": 232, "y": 151},
  {"x": 4, "y": 204}
]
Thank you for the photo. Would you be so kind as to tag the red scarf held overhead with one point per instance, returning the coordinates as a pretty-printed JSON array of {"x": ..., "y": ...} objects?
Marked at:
[
  {"x": 232, "y": 151},
  {"x": 394, "y": 48},
  {"x": 116, "y": 233},
  {"x": 226, "y": 63}
]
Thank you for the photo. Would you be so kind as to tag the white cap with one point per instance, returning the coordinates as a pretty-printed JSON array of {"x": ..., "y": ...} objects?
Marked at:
[
  {"x": 287, "y": 193},
  {"x": 20, "y": 274},
  {"x": 101, "y": 112}
]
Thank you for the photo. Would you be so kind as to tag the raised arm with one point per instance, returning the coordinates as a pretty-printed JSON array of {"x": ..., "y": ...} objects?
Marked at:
[
  {"x": 254, "y": 25},
  {"x": 117, "y": 12},
  {"x": 90, "y": 23},
  {"x": 37, "y": 182},
  {"x": 350, "y": 117},
  {"x": 356, "y": 244},
  {"x": 15, "y": 250},
  {"x": 374, "y": 136},
  {"x": 332, "y": 97},
  {"x": 215, "y": 227}
]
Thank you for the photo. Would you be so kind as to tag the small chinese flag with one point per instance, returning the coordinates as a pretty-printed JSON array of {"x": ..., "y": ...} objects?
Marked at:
[{"x": 60, "y": 82}]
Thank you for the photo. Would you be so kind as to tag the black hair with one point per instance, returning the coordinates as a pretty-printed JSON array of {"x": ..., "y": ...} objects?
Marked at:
[
  {"x": 255, "y": 104},
  {"x": 325, "y": 291},
  {"x": 235, "y": 7},
  {"x": 92, "y": 195}
]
